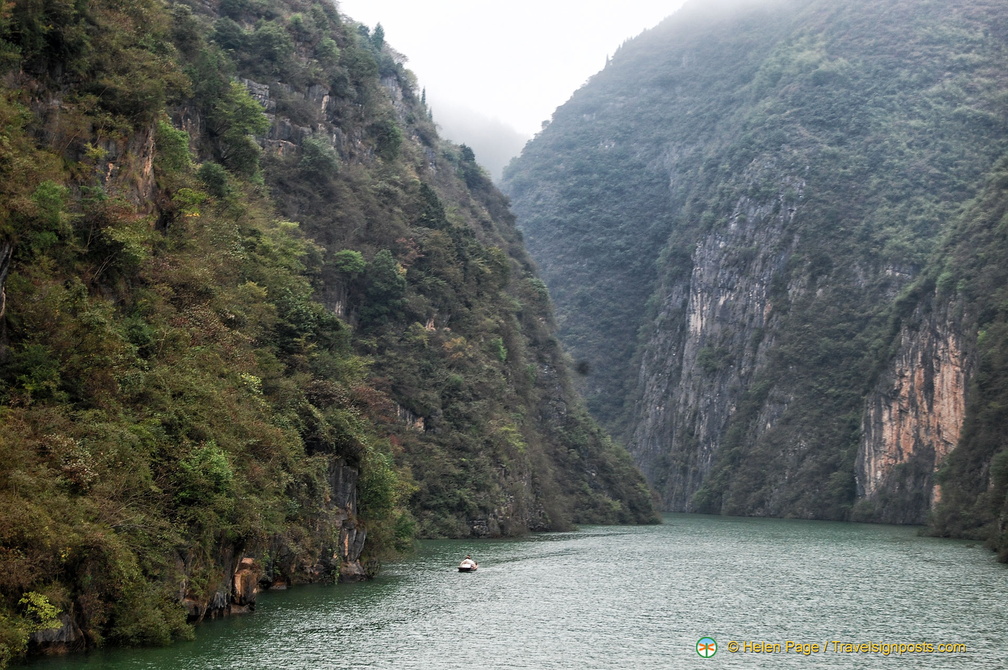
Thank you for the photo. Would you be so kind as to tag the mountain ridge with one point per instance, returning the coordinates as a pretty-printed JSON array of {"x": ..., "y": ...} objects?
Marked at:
[
  {"x": 260, "y": 325},
  {"x": 738, "y": 219}
]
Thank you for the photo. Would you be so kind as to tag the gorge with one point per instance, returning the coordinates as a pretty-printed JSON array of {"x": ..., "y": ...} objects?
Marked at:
[
  {"x": 260, "y": 325},
  {"x": 773, "y": 233}
]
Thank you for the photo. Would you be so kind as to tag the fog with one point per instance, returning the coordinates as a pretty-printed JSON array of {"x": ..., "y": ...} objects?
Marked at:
[
  {"x": 495, "y": 71},
  {"x": 493, "y": 142}
]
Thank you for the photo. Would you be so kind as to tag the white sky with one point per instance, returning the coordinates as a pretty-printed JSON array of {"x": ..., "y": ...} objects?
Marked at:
[{"x": 511, "y": 60}]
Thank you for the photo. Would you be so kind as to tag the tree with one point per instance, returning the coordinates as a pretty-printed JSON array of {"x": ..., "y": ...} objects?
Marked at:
[
  {"x": 235, "y": 119},
  {"x": 385, "y": 289}
]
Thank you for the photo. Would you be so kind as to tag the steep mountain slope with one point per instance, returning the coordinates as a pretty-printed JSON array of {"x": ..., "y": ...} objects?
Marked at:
[
  {"x": 738, "y": 218},
  {"x": 258, "y": 323},
  {"x": 968, "y": 283}
]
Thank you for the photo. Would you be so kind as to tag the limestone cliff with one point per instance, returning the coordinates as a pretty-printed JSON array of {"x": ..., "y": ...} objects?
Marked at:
[
  {"x": 259, "y": 324},
  {"x": 913, "y": 418},
  {"x": 706, "y": 344},
  {"x": 803, "y": 165}
]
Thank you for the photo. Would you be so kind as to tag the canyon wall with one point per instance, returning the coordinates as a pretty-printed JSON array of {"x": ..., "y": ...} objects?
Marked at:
[
  {"x": 799, "y": 343},
  {"x": 913, "y": 419},
  {"x": 707, "y": 342}
]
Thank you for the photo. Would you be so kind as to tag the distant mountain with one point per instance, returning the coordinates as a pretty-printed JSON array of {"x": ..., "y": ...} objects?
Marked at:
[
  {"x": 773, "y": 234},
  {"x": 493, "y": 142},
  {"x": 259, "y": 324}
]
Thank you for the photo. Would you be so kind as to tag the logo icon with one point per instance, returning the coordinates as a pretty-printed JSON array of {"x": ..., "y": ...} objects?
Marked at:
[{"x": 706, "y": 647}]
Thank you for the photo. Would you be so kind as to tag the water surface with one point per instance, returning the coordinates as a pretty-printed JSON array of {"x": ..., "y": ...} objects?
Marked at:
[{"x": 627, "y": 597}]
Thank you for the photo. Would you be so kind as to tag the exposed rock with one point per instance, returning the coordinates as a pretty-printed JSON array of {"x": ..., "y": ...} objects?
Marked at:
[
  {"x": 6, "y": 251},
  {"x": 245, "y": 585},
  {"x": 411, "y": 420},
  {"x": 261, "y": 94},
  {"x": 246, "y": 575},
  {"x": 913, "y": 419},
  {"x": 694, "y": 374},
  {"x": 217, "y": 603},
  {"x": 487, "y": 527},
  {"x": 351, "y": 544},
  {"x": 395, "y": 92},
  {"x": 63, "y": 640},
  {"x": 282, "y": 130}
]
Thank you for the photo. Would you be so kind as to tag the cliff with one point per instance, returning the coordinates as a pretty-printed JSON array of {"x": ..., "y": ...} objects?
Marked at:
[
  {"x": 259, "y": 324},
  {"x": 707, "y": 346},
  {"x": 913, "y": 419},
  {"x": 969, "y": 276},
  {"x": 746, "y": 222}
]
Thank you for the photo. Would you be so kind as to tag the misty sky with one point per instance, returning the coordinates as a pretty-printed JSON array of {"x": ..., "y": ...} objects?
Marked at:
[{"x": 505, "y": 65}]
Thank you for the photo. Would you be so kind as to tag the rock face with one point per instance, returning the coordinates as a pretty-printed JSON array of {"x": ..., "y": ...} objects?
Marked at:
[
  {"x": 63, "y": 640},
  {"x": 703, "y": 350},
  {"x": 730, "y": 224},
  {"x": 6, "y": 249},
  {"x": 245, "y": 585},
  {"x": 280, "y": 566},
  {"x": 913, "y": 420},
  {"x": 343, "y": 484},
  {"x": 340, "y": 560}
]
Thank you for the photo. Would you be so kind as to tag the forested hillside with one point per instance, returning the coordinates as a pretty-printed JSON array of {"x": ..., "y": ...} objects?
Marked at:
[
  {"x": 773, "y": 234},
  {"x": 259, "y": 325}
]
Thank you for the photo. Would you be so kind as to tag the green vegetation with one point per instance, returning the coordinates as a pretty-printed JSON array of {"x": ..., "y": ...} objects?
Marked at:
[
  {"x": 224, "y": 337},
  {"x": 737, "y": 216},
  {"x": 971, "y": 271}
]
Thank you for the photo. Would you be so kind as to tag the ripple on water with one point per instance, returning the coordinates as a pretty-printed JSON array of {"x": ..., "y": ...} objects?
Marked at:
[{"x": 625, "y": 597}]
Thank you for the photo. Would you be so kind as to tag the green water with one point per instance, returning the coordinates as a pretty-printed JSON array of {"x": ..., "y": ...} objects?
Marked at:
[{"x": 628, "y": 598}]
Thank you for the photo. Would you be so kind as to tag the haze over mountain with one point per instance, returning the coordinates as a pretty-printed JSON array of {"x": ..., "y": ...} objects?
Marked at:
[
  {"x": 259, "y": 324},
  {"x": 773, "y": 232},
  {"x": 495, "y": 72},
  {"x": 493, "y": 142},
  {"x": 515, "y": 61}
]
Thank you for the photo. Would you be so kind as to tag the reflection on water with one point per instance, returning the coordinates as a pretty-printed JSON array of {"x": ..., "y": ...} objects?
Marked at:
[{"x": 638, "y": 597}]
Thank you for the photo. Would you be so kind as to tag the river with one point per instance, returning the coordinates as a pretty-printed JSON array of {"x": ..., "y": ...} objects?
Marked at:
[{"x": 632, "y": 598}]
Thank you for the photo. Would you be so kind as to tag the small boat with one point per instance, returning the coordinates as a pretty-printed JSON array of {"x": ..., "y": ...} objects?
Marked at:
[{"x": 468, "y": 565}]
